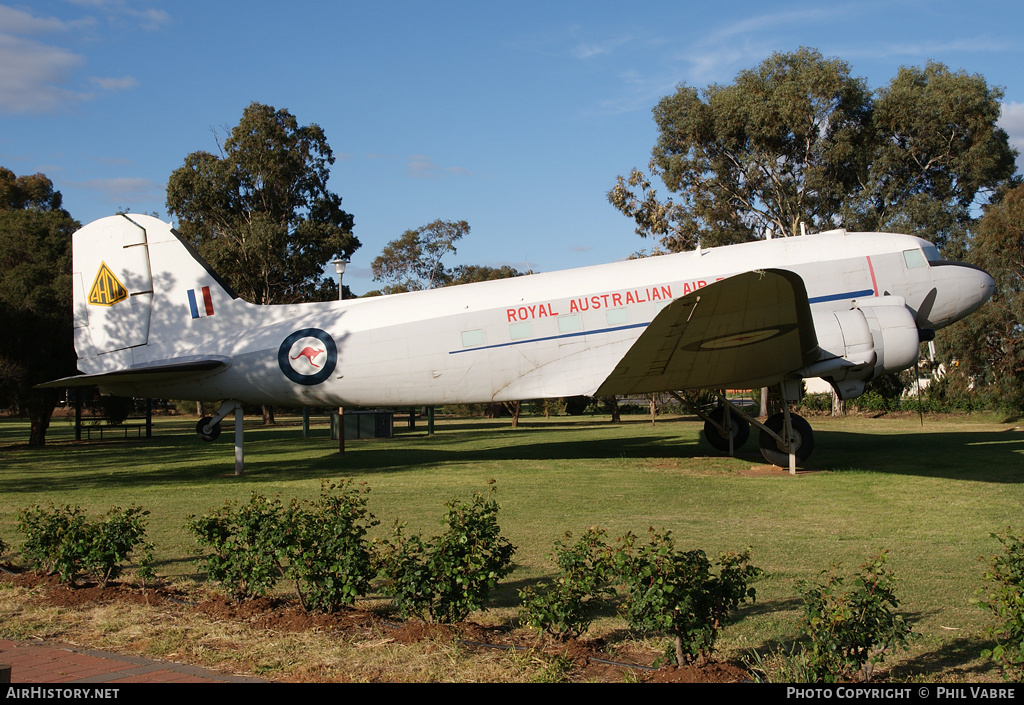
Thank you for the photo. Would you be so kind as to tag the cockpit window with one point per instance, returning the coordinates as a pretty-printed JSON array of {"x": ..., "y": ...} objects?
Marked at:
[
  {"x": 931, "y": 253},
  {"x": 914, "y": 259}
]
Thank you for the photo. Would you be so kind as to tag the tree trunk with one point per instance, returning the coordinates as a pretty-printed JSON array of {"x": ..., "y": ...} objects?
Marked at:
[
  {"x": 838, "y": 405},
  {"x": 40, "y": 405},
  {"x": 613, "y": 406},
  {"x": 268, "y": 416},
  {"x": 514, "y": 407},
  {"x": 654, "y": 409}
]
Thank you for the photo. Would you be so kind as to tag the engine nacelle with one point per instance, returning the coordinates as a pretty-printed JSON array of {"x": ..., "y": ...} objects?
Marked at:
[{"x": 879, "y": 336}]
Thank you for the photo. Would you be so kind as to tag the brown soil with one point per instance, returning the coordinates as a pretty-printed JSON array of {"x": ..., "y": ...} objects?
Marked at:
[{"x": 588, "y": 659}]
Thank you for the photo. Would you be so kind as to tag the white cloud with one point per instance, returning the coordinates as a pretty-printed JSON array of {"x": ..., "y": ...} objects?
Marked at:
[
  {"x": 114, "y": 84},
  {"x": 1011, "y": 119},
  {"x": 589, "y": 50},
  {"x": 116, "y": 10},
  {"x": 124, "y": 189},
  {"x": 420, "y": 166},
  {"x": 34, "y": 76},
  {"x": 14, "y": 21},
  {"x": 38, "y": 77}
]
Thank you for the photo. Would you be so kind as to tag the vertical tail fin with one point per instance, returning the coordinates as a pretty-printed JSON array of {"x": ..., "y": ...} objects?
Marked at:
[{"x": 137, "y": 282}]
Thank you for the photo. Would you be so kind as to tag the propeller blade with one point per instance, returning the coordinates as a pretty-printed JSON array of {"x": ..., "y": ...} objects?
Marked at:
[{"x": 925, "y": 309}]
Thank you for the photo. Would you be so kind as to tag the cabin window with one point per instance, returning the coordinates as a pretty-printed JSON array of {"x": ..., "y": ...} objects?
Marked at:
[
  {"x": 519, "y": 331},
  {"x": 472, "y": 338},
  {"x": 617, "y": 316},
  {"x": 570, "y": 323},
  {"x": 914, "y": 259}
]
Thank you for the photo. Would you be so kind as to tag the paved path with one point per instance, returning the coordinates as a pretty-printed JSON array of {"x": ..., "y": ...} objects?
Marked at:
[{"x": 51, "y": 662}]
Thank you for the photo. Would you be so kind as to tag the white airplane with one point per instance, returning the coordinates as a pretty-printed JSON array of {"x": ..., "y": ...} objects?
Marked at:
[{"x": 153, "y": 320}]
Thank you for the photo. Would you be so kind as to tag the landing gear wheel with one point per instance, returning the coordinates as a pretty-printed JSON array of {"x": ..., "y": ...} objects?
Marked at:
[
  {"x": 803, "y": 440},
  {"x": 203, "y": 433},
  {"x": 738, "y": 428}
]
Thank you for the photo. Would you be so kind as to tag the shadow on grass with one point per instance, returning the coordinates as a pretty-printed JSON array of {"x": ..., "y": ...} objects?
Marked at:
[
  {"x": 279, "y": 454},
  {"x": 977, "y": 455},
  {"x": 961, "y": 655},
  {"x": 276, "y": 454}
]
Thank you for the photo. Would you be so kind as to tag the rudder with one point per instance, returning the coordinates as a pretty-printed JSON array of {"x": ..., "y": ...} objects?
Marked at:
[{"x": 136, "y": 282}]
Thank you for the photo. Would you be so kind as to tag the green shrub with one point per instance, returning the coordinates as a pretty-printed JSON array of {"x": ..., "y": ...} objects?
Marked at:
[
  {"x": 248, "y": 542},
  {"x": 330, "y": 561},
  {"x": 819, "y": 402},
  {"x": 447, "y": 577},
  {"x": 1004, "y": 598},
  {"x": 676, "y": 593},
  {"x": 65, "y": 541},
  {"x": 565, "y": 607},
  {"x": 851, "y": 623},
  {"x": 320, "y": 547}
]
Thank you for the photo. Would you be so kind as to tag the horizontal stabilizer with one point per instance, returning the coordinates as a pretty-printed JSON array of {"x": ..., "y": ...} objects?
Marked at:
[{"x": 157, "y": 371}]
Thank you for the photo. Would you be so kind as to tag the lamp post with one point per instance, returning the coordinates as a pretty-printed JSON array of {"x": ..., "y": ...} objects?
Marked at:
[{"x": 339, "y": 268}]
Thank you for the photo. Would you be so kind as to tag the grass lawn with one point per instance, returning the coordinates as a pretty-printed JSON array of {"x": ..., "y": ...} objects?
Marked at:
[{"x": 931, "y": 495}]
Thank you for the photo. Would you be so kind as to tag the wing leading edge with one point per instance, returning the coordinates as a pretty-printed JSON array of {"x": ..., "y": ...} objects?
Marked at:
[{"x": 744, "y": 331}]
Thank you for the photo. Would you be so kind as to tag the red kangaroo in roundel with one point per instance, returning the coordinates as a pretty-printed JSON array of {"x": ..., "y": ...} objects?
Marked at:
[{"x": 309, "y": 354}]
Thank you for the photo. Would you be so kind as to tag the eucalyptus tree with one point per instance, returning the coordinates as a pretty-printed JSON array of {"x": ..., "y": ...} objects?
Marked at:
[
  {"x": 414, "y": 260},
  {"x": 777, "y": 147},
  {"x": 798, "y": 139},
  {"x": 261, "y": 212},
  {"x": 35, "y": 296}
]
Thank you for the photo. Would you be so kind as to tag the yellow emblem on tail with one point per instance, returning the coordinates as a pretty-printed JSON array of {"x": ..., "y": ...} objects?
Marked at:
[{"x": 106, "y": 289}]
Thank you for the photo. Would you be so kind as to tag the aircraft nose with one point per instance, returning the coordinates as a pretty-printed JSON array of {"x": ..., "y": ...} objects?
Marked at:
[
  {"x": 958, "y": 290},
  {"x": 987, "y": 285},
  {"x": 972, "y": 286}
]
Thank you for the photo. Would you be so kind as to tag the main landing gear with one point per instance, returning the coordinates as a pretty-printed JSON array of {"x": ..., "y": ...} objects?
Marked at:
[
  {"x": 785, "y": 439},
  {"x": 208, "y": 429},
  {"x": 725, "y": 430}
]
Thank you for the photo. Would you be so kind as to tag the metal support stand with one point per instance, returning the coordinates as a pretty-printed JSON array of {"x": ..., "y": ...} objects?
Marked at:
[
  {"x": 226, "y": 408},
  {"x": 78, "y": 413},
  {"x": 341, "y": 431},
  {"x": 787, "y": 435},
  {"x": 239, "y": 450},
  {"x": 727, "y": 425}
]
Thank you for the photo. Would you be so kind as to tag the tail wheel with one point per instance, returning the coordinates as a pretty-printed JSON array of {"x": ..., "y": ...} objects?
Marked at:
[
  {"x": 777, "y": 453},
  {"x": 205, "y": 435},
  {"x": 739, "y": 429}
]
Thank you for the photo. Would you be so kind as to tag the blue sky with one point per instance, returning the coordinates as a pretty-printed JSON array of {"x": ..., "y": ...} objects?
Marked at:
[{"x": 514, "y": 116}]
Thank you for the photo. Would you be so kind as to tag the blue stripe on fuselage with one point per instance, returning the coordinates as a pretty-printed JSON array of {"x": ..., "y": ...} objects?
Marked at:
[{"x": 815, "y": 300}]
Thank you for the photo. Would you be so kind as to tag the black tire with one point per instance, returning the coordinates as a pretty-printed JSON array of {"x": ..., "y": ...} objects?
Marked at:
[
  {"x": 804, "y": 437},
  {"x": 201, "y": 429},
  {"x": 738, "y": 426}
]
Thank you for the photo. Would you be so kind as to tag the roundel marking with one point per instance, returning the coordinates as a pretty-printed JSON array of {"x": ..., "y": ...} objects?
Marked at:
[
  {"x": 741, "y": 339},
  {"x": 308, "y": 356}
]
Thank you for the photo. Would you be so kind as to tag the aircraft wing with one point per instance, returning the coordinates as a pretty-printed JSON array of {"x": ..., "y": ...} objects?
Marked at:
[
  {"x": 160, "y": 371},
  {"x": 744, "y": 331}
]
